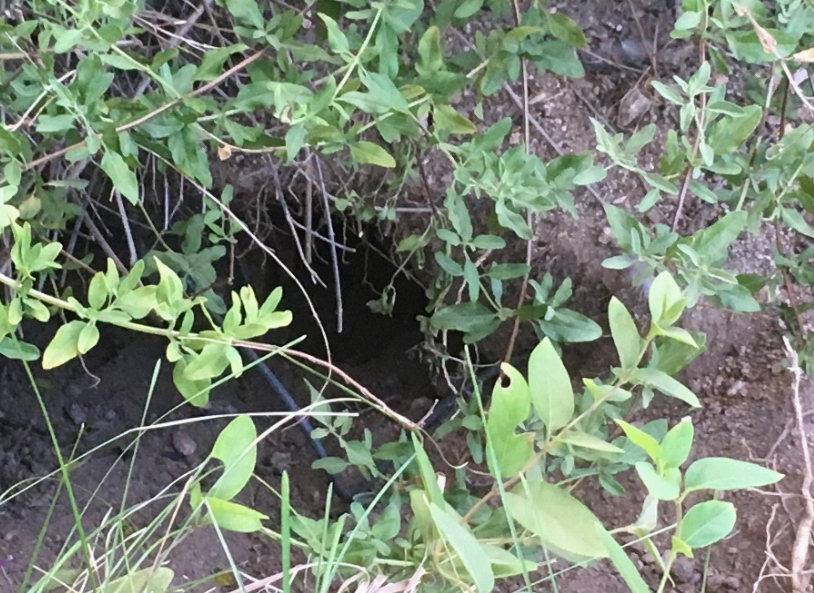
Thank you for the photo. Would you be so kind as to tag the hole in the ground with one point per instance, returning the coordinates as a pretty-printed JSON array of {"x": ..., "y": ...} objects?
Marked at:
[{"x": 364, "y": 276}]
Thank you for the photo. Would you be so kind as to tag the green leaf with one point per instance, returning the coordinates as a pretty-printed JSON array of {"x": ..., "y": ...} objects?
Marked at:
[
  {"x": 384, "y": 89},
  {"x": 17, "y": 350},
  {"x": 467, "y": 9},
  {"x": 622, "y": 562},
  {"x": 622, "y": 226},
  {"x": 430, "y": 53},
  {"x": 195, "y": 392},
  {"x": 365, "y": 152},
  {"x": 447, "y": 264},
  {"x": 688, "y": 20},
  {"x": 490, "y": 242},
  {"x": 660, "y": 182},
  {"x": 467, "y": 548},
  {"x": 122, "y": 176},
  {"x": 640, "y": 139},
  {"x": 428, "y": 477},
  {"x": 678, "y": 334},
  {"x": 667, "y": 385},
  {"x": 236, "y": 448},
  {"x": 626, "y": 336},
  {"x": 565, "y": 29},
  {"x": 63, "y": 346},
  {"x": 504, "y": 563},
  {"x": 463, "y": 317},
  {"x": 796, "y": 221},
  {"x": 234, "y": 517},
  {"x": 336, "y": 38},
  {"x": 507, "y": 271},
  {"x": 557, "y": 518},
  {"x": 212, "y": 62},
  {"x": 641, "y": 439},
  {"x": 50, "y": 124},
  {"x": 510, "y": 406},
  {"x": 662, "y": 487},
  {"x": 606, "y": 392},
  {"x": 88, "y": 338},
  {"x": 670, "y": 356},
  {"x": 156, "y": 579},
  {"x": 729, "y": 132},
  {"x": 139, "y": 302},
  {"x": 294, "y": 141},
  {"x": 332, "y": 465},
  {"x": 448, "y": 119},
  {"x": 714, "y": 241},
  {"x": 706, "y": 523},
  {"x": 721, "y": 473},
  {"x": 210, "y": 362},
  {"x": 97, "y": 291},
  {"x": 170, "y": 290},
  {"x": 746, "y": 45},
  {"x": 578, "y": 438},
  {"x": 550, "y": 386},
  {"x": 663, "y": 295},
  {"x": 590, "y": 175},
  {"x": 566, "y": 325},
  {"x": 247, "y": 12},
  {"x": 472, "y": 279},
  {"x": 668, "y": 92},
  {"x": 401, "y": 15},
  {"x": 735, "y": 297},
  {"x": 676, "y": 444}
]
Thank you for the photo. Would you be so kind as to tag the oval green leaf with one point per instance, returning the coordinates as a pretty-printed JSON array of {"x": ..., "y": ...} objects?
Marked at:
[
  {"x": 707, "y": 523},
  {"x": 234, "y": 517},
  {"x": 236, "y": 448},
  {"x": 722, "y": 473},
  {"x": 557, "y": 518},
  {"x": 626, "y": 336},
  {"x": 510, "y": 406},
  {"x": 550, "y": 386}
]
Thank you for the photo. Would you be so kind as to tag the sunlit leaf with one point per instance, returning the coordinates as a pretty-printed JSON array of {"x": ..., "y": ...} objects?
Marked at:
[
  {"x": 550, "y": 386},
  {"x": 557, "y": 518}
]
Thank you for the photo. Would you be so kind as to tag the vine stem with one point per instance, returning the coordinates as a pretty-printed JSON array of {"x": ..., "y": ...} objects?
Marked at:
[{"x": 521, "y": 299}]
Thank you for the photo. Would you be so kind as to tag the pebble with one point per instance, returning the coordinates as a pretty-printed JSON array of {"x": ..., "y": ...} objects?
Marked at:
[
  {"x": 77, "y": 413},
  {"x": 683, "y": 570},
  {"x": 183, "y": 443},
  {"x": 720, "y": 583},
  {"x": 280, "y": 461}
]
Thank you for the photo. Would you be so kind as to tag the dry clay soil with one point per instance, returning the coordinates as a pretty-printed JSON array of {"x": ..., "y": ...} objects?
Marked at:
[{"x": 744, "y": 389}]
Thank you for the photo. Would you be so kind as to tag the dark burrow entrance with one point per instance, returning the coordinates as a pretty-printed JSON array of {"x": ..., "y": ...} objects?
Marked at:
[{"x": 98, "y": 405}]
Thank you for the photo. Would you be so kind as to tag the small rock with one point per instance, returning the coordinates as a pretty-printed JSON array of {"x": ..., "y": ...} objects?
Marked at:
[
  {"x": 419, "y": 407},
  {"x": 683, "y": 569},
  {"x": 733, "y": 583},
  {"x": 280, "y": 461},
  {"x": 717, "y": 583},
  {"x": 183, "y": 443},
  {"x": 737, "y": 388},
  {"x": 632, "y": 52},
  {"x": 77, "y": 413},
  {"x": 633, "y": 105}
]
